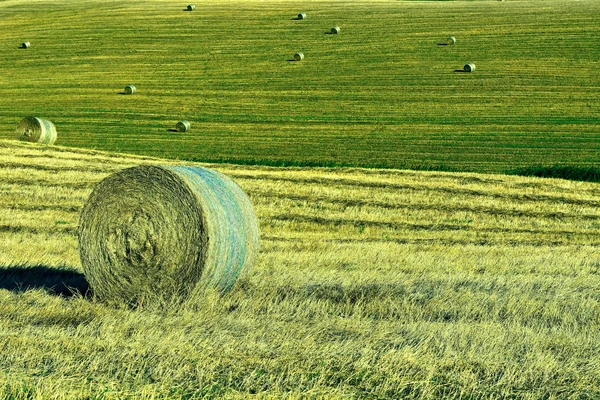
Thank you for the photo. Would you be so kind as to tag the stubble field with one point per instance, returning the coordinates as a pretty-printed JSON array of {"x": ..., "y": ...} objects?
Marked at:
[{"x": 369, "y": 283}]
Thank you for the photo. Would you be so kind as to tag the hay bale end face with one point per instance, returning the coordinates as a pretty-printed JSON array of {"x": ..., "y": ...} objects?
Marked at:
[
  {"x": 183, "y": 126},
  {"x": 165, "y": 233},
  {"x": 129, "y": 89},
  {"x": 25, "y": 45},
  {"x": 470, "y": 67},
  {"x": 191, "y": 7},
  {"x": 335, "y": 30},
  {"x": 302, "y": 16},
  {"x": 299, "y": 56},
  {"x": 36, "y": 130},
  {"x": 451, "y": 40}
]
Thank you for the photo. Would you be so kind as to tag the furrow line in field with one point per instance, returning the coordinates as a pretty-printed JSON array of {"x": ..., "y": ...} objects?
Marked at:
[
  {"x": 56, "y": 168},
  {"x": 44, "y": 207},
  {"x": 421, "y": 188},
  {"x": 47, "y": 183},
  {"x": 28, "y": 229},
  {"x": 424, "y": 207},
  {"x": 433, "y": 241},
  {"x": 399, "y": 226}
]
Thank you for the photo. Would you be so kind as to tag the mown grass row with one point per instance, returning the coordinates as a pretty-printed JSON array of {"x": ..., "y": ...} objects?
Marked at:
[
  {"x": 369, "y": 283},
  {"x": 382, "y": 93}
]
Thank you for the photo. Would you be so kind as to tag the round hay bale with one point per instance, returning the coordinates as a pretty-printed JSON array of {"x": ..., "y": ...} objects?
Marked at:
[
  {"x": 470, "y": 67},
  {"x": 129, "y": 89},
  {"x": 183, "y": 126},
  {"x": 302, "y": 16},
  {"x": 191, "y": 7},
  {"x": 25, "y": 45},
  {"x": 335, "y": 30},
  {"x": 451, "y": 40},
  {"x": 298, "y": 56},
  {"x": 165, "y": 233},
  {"x": 36, "y": 130}
]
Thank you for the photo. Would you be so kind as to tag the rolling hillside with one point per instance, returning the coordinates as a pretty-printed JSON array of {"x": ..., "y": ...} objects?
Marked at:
[
  {"x": 370, "y": 283},
  {"x": 382, "y": 93}
]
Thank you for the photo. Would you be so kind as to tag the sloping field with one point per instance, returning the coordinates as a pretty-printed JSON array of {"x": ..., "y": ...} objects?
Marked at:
[
  {"x": 370, "y": 283},
  {"x": 381, "y": 93}
]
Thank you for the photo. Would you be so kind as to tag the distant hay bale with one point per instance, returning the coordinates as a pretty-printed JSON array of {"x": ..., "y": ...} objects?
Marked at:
[
  {"x": 191, "y": 7},
  {"x": 298, "y": 56},
  {"x": 335, "y": 30},
  {"x": 25, "y": 45},
  {"x": 183, "y": 126},
  {"x": 165, "y": 233},
  {"x": 470, "y": 67},
  {"x": 451, "y": 40},
  {"x": 129, "y": 89},
  {"x": 302, "y": 16},
  {"x": 36, "y": 130}
]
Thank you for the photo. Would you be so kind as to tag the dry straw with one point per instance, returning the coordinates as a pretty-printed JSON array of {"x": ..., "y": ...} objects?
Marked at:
[
  {"x": 451, "y": 40},
  {"x": 191, "y": 7},
  {"x": 302, "y": 16},
  {"x": 25, "y": 45},
  {"x": 129, "y": 89},
  {"x": 152, "y": 233},
  {"x": 37, "y": 130},
  {"x": 335, "y": 30},
  {"x": 470, "y": 67},
  {"x": 299, "y": 56},
  {"x": 183, "y": 126}
]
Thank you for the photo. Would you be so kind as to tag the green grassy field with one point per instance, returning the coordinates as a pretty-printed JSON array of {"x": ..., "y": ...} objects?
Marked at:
[
  {"x": 369, "y": 284},
  {"x": 381, "y": 93}
]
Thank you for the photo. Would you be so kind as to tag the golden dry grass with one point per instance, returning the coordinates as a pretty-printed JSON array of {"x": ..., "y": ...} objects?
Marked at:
[{"x": 370, "y": 283}]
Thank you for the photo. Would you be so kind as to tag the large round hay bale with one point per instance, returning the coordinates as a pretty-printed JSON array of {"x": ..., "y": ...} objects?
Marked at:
[
  {"x": 25, "y": 45},
  {"x": 37, "y": 130},
  {"x": 470, "y": 67},
  {"x": 191, "y": 7},
  {"x": 129, "y": 89},
  {"x": 335, "y": 30},
  {"x": 299, "y": 56},
  {"x": 165, "y": 233},
  {"x": 450, "y": 40},
  {"x": 183, "y": 126},
  {"x": 302, "y": 16}
]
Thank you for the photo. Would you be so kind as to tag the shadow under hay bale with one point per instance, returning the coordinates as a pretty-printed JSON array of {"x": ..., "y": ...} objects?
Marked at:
[
  {"x": 166, "y": 233},
  {"x": 36, "y": 130},
  {"x": 62, "y": 282}
]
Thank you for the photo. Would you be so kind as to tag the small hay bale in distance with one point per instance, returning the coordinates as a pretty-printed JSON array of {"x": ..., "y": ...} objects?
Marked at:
[
  {"x": 183, "y": 126},
  {"x": 129, "y": 89},
  {"x": 335, "y": 30},
  {"x": 191, "y": 7},
  {"x": 36, "y": 130},
  {"x": 25, "y": 45},
  {"x": 298, "y": 56},
  {"x": 165, "y": 233},
  {"x": 450, "y": 40},
  {"x": 302, "y": 16},
  {"x": 470, "y": 67}
]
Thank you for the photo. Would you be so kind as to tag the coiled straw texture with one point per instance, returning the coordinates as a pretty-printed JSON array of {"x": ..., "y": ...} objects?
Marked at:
[
  {"x": 37, "y": 130},
  {"x": 152, "y": 233}
]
